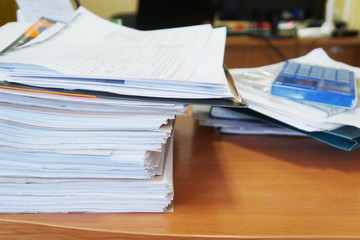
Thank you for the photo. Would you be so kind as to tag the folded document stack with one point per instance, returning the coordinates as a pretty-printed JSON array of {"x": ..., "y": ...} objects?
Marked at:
[
  {"x": 62, "y": 153},
  {"x": 269, "y": 114},
  {"x": 73, "y": 138}
]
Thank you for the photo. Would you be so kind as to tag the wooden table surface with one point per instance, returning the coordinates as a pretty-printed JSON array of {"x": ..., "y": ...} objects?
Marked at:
[{"x": 229, "y": 186}]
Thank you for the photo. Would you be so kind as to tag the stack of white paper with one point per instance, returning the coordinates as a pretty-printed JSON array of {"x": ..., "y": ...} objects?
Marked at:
[
  {"x": 93, "y": 194},
  {"x": 69, "y": 141},
  {"x": 91, "y": 53},
  {"x": 86, "y": 150},
  {"x": 61, "y": 153}
]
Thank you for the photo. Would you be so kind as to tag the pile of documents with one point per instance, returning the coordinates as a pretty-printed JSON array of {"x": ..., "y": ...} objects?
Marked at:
[
  {"x": 90, "y": 53},
  {"x": 66, "y": 153},
  {"x": 338, "y": 127},
  {"x": 236, "y": 121},
  {"x": 85, "y": 116}
]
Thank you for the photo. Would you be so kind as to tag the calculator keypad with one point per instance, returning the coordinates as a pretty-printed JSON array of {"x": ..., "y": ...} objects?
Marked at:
[{"x": 317, "y": 84}]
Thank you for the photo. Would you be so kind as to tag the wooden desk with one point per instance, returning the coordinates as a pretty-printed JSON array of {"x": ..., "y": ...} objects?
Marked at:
[
  {"x": 241, "y": 51},
  {"x": 229, "y": 186}
]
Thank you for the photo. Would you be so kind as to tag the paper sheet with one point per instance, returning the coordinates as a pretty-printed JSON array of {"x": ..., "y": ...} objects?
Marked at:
[
  {"x": 90, "y": 46},
  {"x": 94, "y": 54},
  {"x": 33, "y": 194},
  {"x": 11, "y": 31},
  {"x": 33, "y": 10}
]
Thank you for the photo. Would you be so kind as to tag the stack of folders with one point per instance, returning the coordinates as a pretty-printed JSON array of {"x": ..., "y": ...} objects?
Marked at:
[
  {"x": 268, "y": 114},
  {"x": 85, "y": 116},
  {"x": 232, "y": 121}
]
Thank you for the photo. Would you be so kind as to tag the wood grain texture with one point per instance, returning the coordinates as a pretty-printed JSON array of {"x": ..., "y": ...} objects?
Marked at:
[{"x": 230, "y": 186}]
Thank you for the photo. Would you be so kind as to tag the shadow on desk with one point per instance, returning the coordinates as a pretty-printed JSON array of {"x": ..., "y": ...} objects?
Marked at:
[{"x": 199, "y": 159}]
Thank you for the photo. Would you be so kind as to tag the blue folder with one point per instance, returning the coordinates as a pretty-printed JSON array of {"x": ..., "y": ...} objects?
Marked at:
[{"x": 345, "y": 137}]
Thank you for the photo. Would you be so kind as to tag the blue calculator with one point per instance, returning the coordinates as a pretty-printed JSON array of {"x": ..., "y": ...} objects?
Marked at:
[{"x": 326, "y": 85}]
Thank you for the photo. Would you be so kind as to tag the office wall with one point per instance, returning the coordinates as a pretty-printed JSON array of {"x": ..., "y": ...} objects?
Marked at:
[
  {"x": 103, "y": 8},
  {"x": 7, "y": 11},
  {"x": 107, "y": 8},
  {"x": 348, "y": 13}
]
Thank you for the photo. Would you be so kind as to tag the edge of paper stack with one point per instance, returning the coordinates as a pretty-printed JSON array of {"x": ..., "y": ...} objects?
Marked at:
[{"x": 79, "y": 154}]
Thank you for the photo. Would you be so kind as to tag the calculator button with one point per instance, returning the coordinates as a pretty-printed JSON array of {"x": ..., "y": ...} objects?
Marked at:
[
  {"x": 290, "y": 69},
  {"x": 316, "y": 73},
  {"x": 344, "y": 76},
  {"x": 303, "y": 72},
  {"x": 329, "y": 74}
]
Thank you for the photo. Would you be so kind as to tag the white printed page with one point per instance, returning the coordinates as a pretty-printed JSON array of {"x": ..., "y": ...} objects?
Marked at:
[
  {"x": 33, "y": 10},
  {"x": 10, "y": 32},
  {"x": 91, "y": 46}
]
